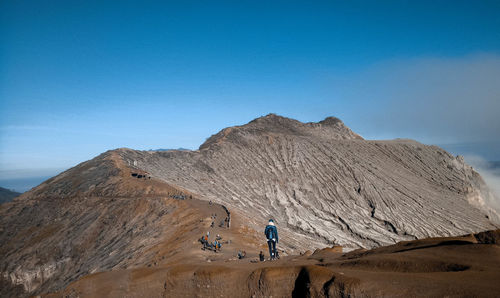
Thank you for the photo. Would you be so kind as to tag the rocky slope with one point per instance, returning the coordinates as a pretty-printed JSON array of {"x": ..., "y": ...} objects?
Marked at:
[
  {"x": 321, "y": 182},
  {"x": 324, "y": 184},
  {"x": 95, "y": 217}
]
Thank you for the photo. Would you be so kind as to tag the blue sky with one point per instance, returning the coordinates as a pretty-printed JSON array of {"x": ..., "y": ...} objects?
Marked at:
[{"x": 80, "y": 77}]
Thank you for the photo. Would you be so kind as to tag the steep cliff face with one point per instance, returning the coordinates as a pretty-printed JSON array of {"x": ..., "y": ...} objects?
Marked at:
[{"x": 324, "y": 184}]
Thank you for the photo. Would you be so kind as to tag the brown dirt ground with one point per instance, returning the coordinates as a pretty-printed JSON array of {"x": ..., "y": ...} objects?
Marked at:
[{"x": 467, "y": 266}]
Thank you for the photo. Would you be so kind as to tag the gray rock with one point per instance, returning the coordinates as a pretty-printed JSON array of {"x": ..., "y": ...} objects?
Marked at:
[{"x": 324, "y": 184}]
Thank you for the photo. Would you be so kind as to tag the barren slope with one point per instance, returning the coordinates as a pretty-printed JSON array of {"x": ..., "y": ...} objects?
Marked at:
[
  {"x": 324, "y": 184},
  {"x": 97, "y": 217}
]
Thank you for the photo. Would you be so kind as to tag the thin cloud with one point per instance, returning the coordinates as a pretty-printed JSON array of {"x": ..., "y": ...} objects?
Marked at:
[
  {"x": 439, "y": 100},
  {"x": 491, "y": 176}
]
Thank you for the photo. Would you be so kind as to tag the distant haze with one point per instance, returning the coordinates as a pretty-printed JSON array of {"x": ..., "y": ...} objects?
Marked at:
[
  {"x": 451, "y": 101},
  {"x": 491, "y": 175},
  {"x": 24, "y": 179},
  {"x": 23, "y": 184}
]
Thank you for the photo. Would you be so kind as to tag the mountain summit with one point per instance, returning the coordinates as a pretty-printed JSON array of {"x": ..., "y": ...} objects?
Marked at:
[{"x": 273, "y": 124}]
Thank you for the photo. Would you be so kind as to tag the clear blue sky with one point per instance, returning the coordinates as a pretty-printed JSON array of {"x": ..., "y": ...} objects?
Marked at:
[{"x": 80, "y": 77}]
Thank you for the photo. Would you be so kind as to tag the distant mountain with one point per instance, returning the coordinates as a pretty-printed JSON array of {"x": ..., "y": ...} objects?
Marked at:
[
  {"x": 23, "y": 184},
  {"x": 7, "y": 195},
  {"x": 494, "y": 165}
]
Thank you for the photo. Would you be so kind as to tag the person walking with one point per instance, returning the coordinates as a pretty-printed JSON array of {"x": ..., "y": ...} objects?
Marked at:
[{"x": 271, "y": 233}]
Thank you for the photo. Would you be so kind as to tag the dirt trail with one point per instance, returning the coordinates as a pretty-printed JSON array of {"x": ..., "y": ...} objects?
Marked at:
[{"x": 184, "y": 247}]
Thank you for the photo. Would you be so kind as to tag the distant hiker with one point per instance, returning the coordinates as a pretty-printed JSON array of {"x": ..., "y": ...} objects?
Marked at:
[
  {"x": 271, "y": 233},
  {"x": 204, "y": 241},
  {"x": 218, "y": 237},
  {"x": 261, "y": 256},
  {"x": 242, "y": 254}
]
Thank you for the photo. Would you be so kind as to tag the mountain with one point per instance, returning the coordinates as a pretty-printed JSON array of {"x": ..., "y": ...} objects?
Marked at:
[
  {"x": 324, "y": 184},
  {"x": 321, "y": 182},
  {"x": 7, "y": 195},
  {"x": 493, "y": 165}
]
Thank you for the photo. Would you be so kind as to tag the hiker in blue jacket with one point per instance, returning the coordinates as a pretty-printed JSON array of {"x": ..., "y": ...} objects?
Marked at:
[{"x": 271, "y": 233}]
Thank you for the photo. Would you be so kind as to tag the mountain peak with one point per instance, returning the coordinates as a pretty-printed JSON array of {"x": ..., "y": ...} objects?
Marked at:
[
  {"x": 330, "y": 128},
  {"x": 273, "y": 120},
  {"x": 271, "y": 117},
  {"x": 331, "y": 121}
]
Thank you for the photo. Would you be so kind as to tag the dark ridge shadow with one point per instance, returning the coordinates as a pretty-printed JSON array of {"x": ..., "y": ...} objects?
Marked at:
[
  {"x": 443, "y": 243},
  {"x": 326, "y": 287},
  {"x": 302, "y": 284}
]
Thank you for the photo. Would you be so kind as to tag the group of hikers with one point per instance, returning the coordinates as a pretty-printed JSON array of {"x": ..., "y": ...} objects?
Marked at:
[
  {"x": 215, "y": 246},
  {"x": 271, "y": 233}
]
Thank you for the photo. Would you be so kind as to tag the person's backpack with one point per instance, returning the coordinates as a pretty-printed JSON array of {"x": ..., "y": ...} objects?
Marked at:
[{"x": 269, "y": 232}]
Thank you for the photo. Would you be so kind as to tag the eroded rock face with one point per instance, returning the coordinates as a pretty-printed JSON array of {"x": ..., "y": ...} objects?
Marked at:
[
  {"x": 324, "y": 184},
  {"x": 54, "y": 242}
]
